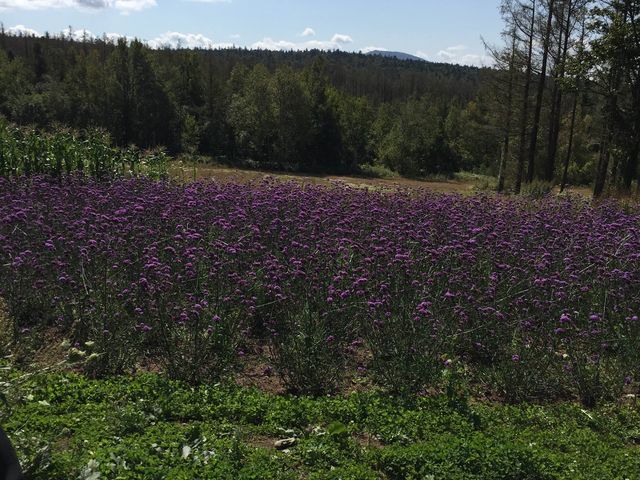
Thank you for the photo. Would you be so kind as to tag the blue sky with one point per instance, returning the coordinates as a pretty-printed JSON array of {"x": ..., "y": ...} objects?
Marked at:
[{"x": 438, "y": 30}]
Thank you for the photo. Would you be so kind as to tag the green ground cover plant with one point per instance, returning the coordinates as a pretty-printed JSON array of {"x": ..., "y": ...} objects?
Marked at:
[{"x": 148, "y": 427}]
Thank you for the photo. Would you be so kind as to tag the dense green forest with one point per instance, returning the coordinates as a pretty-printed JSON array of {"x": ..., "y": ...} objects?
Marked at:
[
  {"x": 560, "y": 104},
  {"x": 311, "y": 111}
]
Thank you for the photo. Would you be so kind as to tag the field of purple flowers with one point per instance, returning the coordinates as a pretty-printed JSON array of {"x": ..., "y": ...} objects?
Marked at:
[{"x": 527, "y": 299}]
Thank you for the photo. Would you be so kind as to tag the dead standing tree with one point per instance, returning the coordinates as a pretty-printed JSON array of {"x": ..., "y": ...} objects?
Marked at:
[
  {"x": 505, "y": 61},
  {"x": 540, "y": 94},
  {"x": 524, "y": 113}
]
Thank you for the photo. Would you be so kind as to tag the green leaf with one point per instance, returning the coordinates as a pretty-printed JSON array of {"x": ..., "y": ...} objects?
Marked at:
[{"x": 337, "y": 429}]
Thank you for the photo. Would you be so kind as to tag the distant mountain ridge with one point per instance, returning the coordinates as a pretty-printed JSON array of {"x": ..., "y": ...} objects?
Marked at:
[{"x": 398, "y": 55}]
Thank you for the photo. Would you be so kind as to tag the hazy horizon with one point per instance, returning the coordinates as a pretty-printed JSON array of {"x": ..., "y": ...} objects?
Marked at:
[{"x": 437, "y": 31}]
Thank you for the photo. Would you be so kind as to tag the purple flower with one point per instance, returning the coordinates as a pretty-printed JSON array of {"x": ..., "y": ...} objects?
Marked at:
[{"x": 128, "y": 251}]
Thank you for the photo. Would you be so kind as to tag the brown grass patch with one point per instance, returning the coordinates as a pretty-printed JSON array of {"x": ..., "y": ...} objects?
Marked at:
[
  {"x": 368, "y": 441},
  {"x": 186, "y": 173},
  {"x": 257, "y": 372},
  {"x": 52, "y": 352},
  {"x": 262, "y": 441}
]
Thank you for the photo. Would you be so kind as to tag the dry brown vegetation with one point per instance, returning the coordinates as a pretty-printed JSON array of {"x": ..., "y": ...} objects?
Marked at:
[
  {"x": 202, "y": 172},
  {"x": 188, "y": 173}
]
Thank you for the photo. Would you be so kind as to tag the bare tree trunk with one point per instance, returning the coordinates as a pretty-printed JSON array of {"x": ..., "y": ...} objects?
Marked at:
[
  {"x": 574, "y": 110},
  {"x": 567, "y": 160},
  {"x": 615, "y": 76},
  {"x": 634, "y": 160},
  {"x": 605, "y": 148},
  {"x": 538, "y": 109},
  {"x": 507, "y": 131},
  {"x": 556, "y": 109},
  {"x": 613, "y": 178},
  {"x": 630, "y": 166},
  {"x": 603, "y": 162},
  {"x": 525, "y": 106}
]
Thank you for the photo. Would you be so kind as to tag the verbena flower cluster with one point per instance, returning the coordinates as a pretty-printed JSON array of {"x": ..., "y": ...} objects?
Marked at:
[{"x": 534, "y": 299}]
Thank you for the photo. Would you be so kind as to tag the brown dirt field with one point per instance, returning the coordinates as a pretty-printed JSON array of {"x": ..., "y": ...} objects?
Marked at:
[
  {"x": 256, "y": 373},
  {"x": 233, "y": 175},
  {"x": 187, "y": 173}
]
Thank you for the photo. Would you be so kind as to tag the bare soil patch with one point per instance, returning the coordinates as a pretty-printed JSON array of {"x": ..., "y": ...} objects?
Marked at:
[{"x": 234, "y": 175}]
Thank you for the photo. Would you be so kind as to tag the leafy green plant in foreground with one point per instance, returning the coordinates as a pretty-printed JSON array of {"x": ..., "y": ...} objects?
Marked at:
[{"x": 67, "y": 426}]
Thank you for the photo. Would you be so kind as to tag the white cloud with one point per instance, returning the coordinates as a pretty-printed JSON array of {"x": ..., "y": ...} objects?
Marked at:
[
  {"x": 446, "y": 54},
  {"x": 308, "y": 32},
  {"x": 114, "y": 37},
  {"x": 185, "y": 40},
  {"x": 124, "y": 6},
  {"x": 128, "y": 6},
  {"x": 22, "y": 30},
  {"x": 337, "y": 42},
  {"x": 373, "y": 49},
  {"x": 78, "y": 35},
  {"x": 93, "y": 3},
  {"x": 166, "y": 40},
  {"x": 340, "y": 38},
  {"x": 34, "y": 4},
  {"x": 458, "y": 55},
  {"x": 269, "y": 43},
  {"x": 208, "y": 1},
  {"x": 235, "y": 36},
  {"x": 457, "y": 48}
]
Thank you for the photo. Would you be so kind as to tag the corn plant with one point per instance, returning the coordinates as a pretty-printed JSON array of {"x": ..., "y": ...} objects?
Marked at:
[{"x": 28, "y": 151}]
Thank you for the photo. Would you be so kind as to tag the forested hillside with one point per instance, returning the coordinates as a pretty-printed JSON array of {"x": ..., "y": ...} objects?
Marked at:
[
  {"x": 560, "y": 105},
  {"x": 311, "y": 111}
]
